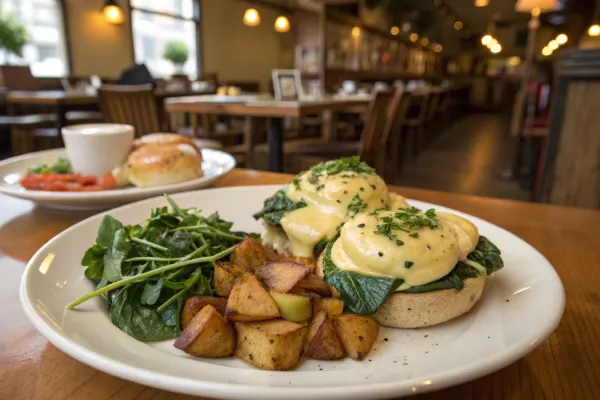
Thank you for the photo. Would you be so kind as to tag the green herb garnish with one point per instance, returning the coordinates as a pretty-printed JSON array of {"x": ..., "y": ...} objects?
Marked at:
[
  {"x": 61, "y": 166},
  {"x": 356, "y": 206},
  {"x": 408, "y": 264}
]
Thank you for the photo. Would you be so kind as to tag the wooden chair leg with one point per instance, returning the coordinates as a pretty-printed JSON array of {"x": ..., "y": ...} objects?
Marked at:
[{"x": 22, "y": 141}]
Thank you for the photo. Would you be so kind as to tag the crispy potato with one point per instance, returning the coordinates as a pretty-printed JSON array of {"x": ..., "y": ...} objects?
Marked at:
[
  {"x": 313, "y": 283},
  {"x": 282, "y": 275},
  {"x": 273, "y": 345},
  {"x": 333, "y": 307},
  {"x": 293, "y": 307},
  {"x": 271, "y": 254},
  {"x": 306, "y": 261},
  {"x": 196, "y": 303},
  {"x": 250, "y": 301},
  {"x": 224, "y": 277},
  {"x": 322, "y": 341},
  {"x": 207, "y": 335},
  {"x": 357, "y": 333},
  {"x": 249, "y": 254}
]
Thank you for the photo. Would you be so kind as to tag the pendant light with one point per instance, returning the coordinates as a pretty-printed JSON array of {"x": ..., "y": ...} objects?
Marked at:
[
  {"x": 113, "y": 14},
  {"x": 594, "y": 30},
  {"x": 251, "y": 17},
  {"x": 282, "y": 24},
  {"x": 481, "y": 3}
]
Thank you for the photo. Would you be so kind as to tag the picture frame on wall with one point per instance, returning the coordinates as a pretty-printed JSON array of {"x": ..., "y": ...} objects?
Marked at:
[{"x": 287, "y": 84}]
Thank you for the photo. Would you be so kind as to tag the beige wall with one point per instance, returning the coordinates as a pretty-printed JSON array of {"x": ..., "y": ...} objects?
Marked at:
[
  {"x": 238, "y": 52},
  {"x": 97, "y": 47},
  {"x": 233, "y": 50}
]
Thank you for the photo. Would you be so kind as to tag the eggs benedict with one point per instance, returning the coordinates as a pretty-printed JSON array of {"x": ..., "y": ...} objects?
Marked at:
[
  {"x": 407, "y": 267},
  {"x": 308, "y": 213}
]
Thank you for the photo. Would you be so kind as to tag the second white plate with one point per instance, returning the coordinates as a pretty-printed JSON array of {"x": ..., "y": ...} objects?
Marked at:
[{"x": 214, "y": 165}]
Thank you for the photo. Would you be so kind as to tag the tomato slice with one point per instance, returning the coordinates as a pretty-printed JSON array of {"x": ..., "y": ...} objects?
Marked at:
[
  {"x": 87, "y": 180},
  {"x": 107, "y": 181}
]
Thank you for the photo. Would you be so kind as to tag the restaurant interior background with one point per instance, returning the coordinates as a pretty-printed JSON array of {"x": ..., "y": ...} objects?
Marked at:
[{"x": 498, "y": 101}]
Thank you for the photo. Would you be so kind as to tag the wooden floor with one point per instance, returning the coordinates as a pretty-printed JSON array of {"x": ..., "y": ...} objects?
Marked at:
[{"x": 467, "y": 158}]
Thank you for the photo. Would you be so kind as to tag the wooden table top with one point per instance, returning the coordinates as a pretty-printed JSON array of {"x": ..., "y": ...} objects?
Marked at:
[
  {"x": 261, "y": 106},
  {"x": 54, "y": 97},
  {"x": 566, "y": 366}
]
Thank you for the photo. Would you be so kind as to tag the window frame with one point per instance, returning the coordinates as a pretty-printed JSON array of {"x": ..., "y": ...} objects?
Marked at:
[{"x": 196, "y": 19}]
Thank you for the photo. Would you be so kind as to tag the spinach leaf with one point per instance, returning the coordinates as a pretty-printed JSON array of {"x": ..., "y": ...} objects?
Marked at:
[
  {"x": 180, "y": 243},
  {"x": 170, "y": 317},
  {"x": 142, "y": 322},
  {"x": 107, "y": 230},
  {"x": 93, "y": 259},
  {"x": 275, "y": 208},
  {"x": 362, "y": 294},
  {"x": 151, "y": 292},
  {"x": 114, "y": 257},
  {"x": 487, "y": 254},
  {"x": 454, "y": 280}
]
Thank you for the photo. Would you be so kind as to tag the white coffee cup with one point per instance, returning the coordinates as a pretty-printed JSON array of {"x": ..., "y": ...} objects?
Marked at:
[{"x": 96, "y": 149}]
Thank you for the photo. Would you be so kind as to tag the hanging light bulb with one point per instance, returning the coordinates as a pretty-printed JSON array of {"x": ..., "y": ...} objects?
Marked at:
[
  {"x": 438, "y": 48},
  {"x": 395, "y": 30},
  {"x": 594, "y": 30},
  {"x": 562, "y": 39},
  {"x": 112, "y": 12},
  {"x": 356, "y": 32},
  {"x": 553, "y": 44},
  {"x": 496, "y": 48},
  {"x": 282, "y": 24},
  {"x": 413, "y": 37},
  {"x": 547, "y": 51},
  {"x": 486, "y": 40},
  {"x": 251, "y": 17},
  {"x": 481, "y": 3},
  {"x": 458, "y": 25},
  {"x": 424, "y": 41}
]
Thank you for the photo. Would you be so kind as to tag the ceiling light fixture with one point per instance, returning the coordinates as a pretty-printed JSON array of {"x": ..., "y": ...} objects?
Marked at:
[
  {"x": 251, "y": 17},
  {"x": 282, "y": 24},
  {"x": 553, "y": 44},
  {"x": 458, "y": 25},
  {"x": 395, "y": 30},
  {"x": 424, "y": 41},
  {"x": 356, "y": 32},
  {"x": 481, "y": 3},
  {"x": 594, "y": 30},
  {"x": 413, "y": 37},
  {"x": 486, "y": 40},
  {"x": 547, "y": 51},
  {"x": 113, "y": 14},
  {"x": 562, "y": 39},
  {"x": 496, "y": 48}
]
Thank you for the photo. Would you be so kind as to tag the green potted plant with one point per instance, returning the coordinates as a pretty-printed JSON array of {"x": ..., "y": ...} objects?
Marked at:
[
  {"x": 177, "y": 53},
  {"x": 13, "y": 36}
]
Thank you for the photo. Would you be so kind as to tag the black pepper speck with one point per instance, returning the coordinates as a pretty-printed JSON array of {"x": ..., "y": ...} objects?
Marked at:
[{"x": 380, "y": 254}]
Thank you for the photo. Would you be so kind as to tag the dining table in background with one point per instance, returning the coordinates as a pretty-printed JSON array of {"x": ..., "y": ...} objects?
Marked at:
[
  {"x": 275, "y": 110},
  {"x": 565, "y": 366},
  {"x": 62, "y": 101}
]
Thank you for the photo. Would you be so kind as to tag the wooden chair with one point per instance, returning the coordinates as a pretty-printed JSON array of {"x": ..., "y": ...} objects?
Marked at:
[
  {"x": 133, "y": 105},
  {"x": 415, "y": 123},
  {"x": 379, "y": 120}
]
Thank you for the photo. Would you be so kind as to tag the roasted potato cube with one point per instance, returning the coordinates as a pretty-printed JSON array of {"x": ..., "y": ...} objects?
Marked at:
[
  {"x": 282, "y": 275},
  {"x": 293, "y": 307},
  {"x": 313, "y": 283},
  {"x": 357, "y": 333},
  {"x": 194, "y": 304},
  {"x": 333, "y": 307},
  {"x": 224, "y": 277},
  {"x": 320, "y": 274},
  {"x": 250, "y": 301},
  {"x": 306, "y": 261},
  {"x": 249, "y": 254},
  {"x": 207, "y": 335},
  {"x": 322, "y": 341},
  {"x": 274, "y": 345}
]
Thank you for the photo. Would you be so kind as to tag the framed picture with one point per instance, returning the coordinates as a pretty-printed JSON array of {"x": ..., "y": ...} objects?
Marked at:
[{"x": 287, "y": 84}]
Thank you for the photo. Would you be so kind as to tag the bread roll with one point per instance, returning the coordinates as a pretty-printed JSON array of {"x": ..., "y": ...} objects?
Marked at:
[
  {"x": 163, "y": 138},
  {"x": 163, "y": 164}
]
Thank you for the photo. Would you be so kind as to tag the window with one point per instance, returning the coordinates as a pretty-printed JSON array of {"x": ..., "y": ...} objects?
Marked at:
[
  {"x": 45, "y": 52},
  {"x": 155, "y": 24}
]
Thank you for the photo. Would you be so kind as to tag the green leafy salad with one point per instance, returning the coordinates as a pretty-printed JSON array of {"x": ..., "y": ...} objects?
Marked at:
[{"x": 145, "y": 272}]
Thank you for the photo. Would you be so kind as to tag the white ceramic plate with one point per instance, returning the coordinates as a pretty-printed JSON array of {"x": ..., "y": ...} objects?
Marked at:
[
  {"x": 521, "y": 306},
  {"x": 215, "y": 164}
]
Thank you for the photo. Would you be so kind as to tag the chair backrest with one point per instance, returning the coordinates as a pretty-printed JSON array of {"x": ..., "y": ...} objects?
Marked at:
[
  {"x": 396, "y": 114},
  {"x": 375, "y": 120},
  {"x": 133, "y": 105},
  {"x": 137, "y": 74},
  {"x": 15, "y": 77}
]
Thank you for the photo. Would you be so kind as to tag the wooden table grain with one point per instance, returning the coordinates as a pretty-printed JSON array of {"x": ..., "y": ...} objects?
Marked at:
[{"x": 566, "y": 366}]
